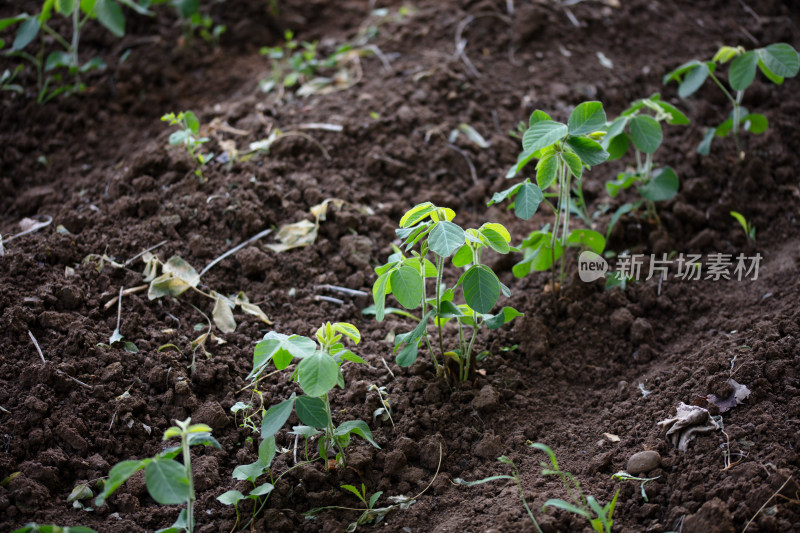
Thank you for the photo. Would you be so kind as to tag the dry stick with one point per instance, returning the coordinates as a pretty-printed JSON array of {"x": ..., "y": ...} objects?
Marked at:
[
  {"x": 126, "y": 292},
  {"x": 472, "y": 171},
  {"x": 388, "y": 369},
  {"x": 119, "y": 308},
  {"x": 380, "y": 55},
  {"x": 343, "y": 290},
  {"x": 234, "y": 250},
  {"x": 4, "y": 409},
  {"x": 765, "y": 504},
  {"x": 36, "y": 227},
  {"x": 58, "y": 371},
  {"x": 337, "y": 301},
  {"x": 140, "y": 254}
]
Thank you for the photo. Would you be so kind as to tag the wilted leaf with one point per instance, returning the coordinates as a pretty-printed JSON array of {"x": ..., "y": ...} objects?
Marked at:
[
  {"x": 243, "y": 301},
  {"x": 182, "y": 270},
  {"x": 739, "y": 394},
  {"x": 223, "y": 314},
  {"x": 295, "y": 235},
  {"x": 80, "y": 492}
]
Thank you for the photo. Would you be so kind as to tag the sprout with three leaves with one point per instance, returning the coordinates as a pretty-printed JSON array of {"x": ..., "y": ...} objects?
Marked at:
[
  {"x": 319, "y": 370},
  {"x": 432, "y": 229},
  {"x": 168, "y": 481},
  {"x": 776, "y": 61},
  {"x": 562, "y": 150},
  {"x": 640, "y": 125}
]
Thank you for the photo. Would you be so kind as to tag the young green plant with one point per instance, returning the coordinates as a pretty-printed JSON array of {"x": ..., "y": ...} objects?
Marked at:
[
  {"x": 188, "y": 136},
  {"x": 318, "y": 371},
  {"x": 108, "y": 12},
  {"x": 431, "y": 230},
  {"x": 563, "y": 151},
  {"x": 749, "y": 229},
  {"x": 600, "y": 518},
  {"x": 640, "y": 126},
  {"x": 514, "y": 477},
  {"x": 776, "y": 61},
  {"x": 168, "y": 481}
]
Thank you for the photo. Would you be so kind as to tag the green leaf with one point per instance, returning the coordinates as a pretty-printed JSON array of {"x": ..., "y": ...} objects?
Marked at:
[
  {"x": 503, "y": 317},
  {"x": 276, "y": 417},
  {"x": 547, "y": 170},
  {"x": 694, "y": 80},
  {"x": 528, "y": 199},
  {"x": 445, "y": 238},
  {"x": 249, "y": 472},
  {"x": 262, "y": 490},
  {"x": 167, "y": 482},
  {"x": 495, "y": 240},
  {"x": 573, "y": 163},
  {"x": 587, "y": 118},
  {"x": 646, "y": 133},
  {"x": 755, "y": 123},
  {"x": 180, "y": 525},
  {"x": 416, "y": 214},
  {"x": 317, "y": 374},
  {"x": 463, "y": 256},
  {"x": 618, "y": 146},
  {"x": 662, "y": 187},
  {"x": 677, "y": 117},
  {"x": 311, "y": 411},
  {"x": 780, "y": 59},
  {"x": 349, "y": 330},
  {"x": 743, "y": 71},
  {"x": 408, "y": 355},
  {"x": 192, "y": 122},
  {"x": 566, "y": 506},
  {"x": 26, "y": 33},
  {"x": 407, "y": 286},
  {"x": 589, "y": 239},
  {"x": 110, "y": 15},
  {"x": 539, "y": 254},
  {"x": 774, "y": 78},
  {"x": 64, "y": 7},
  {"x": 537, "y": 116},
  {"x": 10, "y": 21},
  {"x": 281, "y": 349},
  {"x": 118, "y": 475},
  {"x": 57, "y": 59},
  {"x": 591, "y": 152},
  {"x": 502, "y": 195},
  {"x": 232, "y": 497},
  {"x": 266, "y": 451},
  {"x": 623, "y": 181},
  {"x": 481, "y": 288},
  {"x": 379, "y": 290},
  {"x": 359, "y": 427},
  {"x": 542, "y": 134},
  {"x": 705, "y": 145},
  {"x": 374, "y": 498},
  {"x": 186, "y": 8}
]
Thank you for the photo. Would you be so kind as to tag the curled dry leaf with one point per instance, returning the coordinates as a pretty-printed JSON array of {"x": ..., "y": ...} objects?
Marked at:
[
  {"x": 689, "y": 420},
  {"x": 223, "y": 313},
  {"x": 739, "y": 394}
]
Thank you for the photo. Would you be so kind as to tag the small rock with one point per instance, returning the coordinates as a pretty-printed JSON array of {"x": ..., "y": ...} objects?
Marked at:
[
  {"x": 490, "y": 447},
  {"x": 112, "y": 372},
  {"x": 641, "y": 331},
  {"x": 621, "y": 319},
  {"x": 487, "y": 400},
  {"x": 642, "y": 462},
  {"x": 601, "y": 463}
]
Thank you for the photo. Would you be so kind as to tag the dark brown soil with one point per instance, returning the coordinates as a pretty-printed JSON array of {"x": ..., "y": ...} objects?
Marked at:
[{"x": 99, "y": 164}]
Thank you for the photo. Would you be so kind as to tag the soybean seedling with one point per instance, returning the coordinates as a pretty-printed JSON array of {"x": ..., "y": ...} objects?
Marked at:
[
  {"x": 600, "y": 518},
  {"x": 318, "y": 372},
  {"x": 749, "y": 229},
  {"x": 776, "y": 61},
  {"x": 432, "y": 231},
  {"x": 563, "y": 151},
  {"x": 624, "y": 476},
  {"x": 514, "y": 477},
  {"x": 168, "y": 482},
  {"x": 108, "y": 12},
  {"x": 640, "y": 126},
  {"x": 33, "y": 527},
  {"x": 188, "y": 136}
]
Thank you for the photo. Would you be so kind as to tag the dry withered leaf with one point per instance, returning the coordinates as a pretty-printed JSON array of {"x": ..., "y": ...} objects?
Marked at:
[{"x": 739, "y": 394}]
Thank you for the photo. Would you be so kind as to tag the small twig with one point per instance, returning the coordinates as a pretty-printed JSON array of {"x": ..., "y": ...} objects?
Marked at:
[
  {"x": 260, "y": 378},
  {"x": 572, "y": 18},
  {"x": 380, "y": 55},
  {"x": 750, "y": 11},
  {"x": 294, "y": 453},
  {"x": 38, "y": 349},
  {"x": 320, "y": 298},
  {"x": 133, "y": 290},
  {"x": 765, "y": 504},
  {"x": 140, "y": 254},
  {"x": 472, "y": 171},
  {"x": 119, "y": 308},
  {"x": 388, "y": 369},
  {"x": 343, "y": 290},
  {"x": 58, "y": 371},
  {"x": 4, "y": 410},
  {"x": 35, "y": 227},
  {"x": 235, "y": 249}
]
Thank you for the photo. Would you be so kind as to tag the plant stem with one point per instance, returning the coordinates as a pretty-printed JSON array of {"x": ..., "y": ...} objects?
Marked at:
[
  {"x": 439, "y": 268},
  {"x": 187, "y": 465},
  {"x": 425, "y": 312},
  {"x": 737, "y": 111},
  {"x": 565, "y": 232},
  {"x": 76, "y": 32},
  {"x": 330, "y": 432}
]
